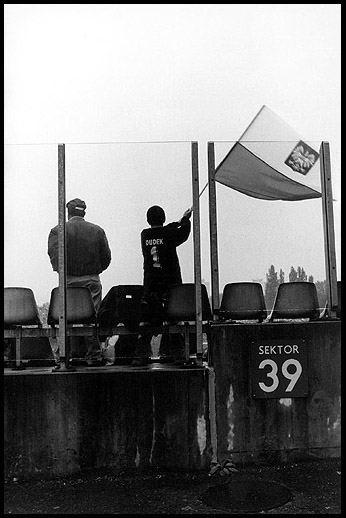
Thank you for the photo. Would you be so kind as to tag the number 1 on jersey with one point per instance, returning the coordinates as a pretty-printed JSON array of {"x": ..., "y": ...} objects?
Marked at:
[{"x": 155, "y": 255}]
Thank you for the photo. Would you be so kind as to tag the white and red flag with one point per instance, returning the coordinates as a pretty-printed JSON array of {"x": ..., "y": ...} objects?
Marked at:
[{"x": 271, "y": 161}]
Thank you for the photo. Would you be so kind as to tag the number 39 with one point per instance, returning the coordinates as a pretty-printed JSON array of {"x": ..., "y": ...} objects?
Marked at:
[{"x": 273, "y": 374}]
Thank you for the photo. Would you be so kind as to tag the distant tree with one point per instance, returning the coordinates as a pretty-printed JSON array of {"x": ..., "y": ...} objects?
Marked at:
[
  {"x": 311, "y": 278},
  {"x": 292, "y": 275},
  {"x": 301, "y": 275},
  {"x": 271, "y": 286},
  {"x": 298, "y": 275},
  {"x": 43, "y": 313},
  {"x": 281, "y": 276}
]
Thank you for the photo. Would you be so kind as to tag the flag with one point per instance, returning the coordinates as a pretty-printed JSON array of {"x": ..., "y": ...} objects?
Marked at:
[{"x": 271, "y": 161}]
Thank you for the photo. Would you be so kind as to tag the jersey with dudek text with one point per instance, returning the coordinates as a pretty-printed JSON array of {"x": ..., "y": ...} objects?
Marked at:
[{"x": 161, "y": 263}]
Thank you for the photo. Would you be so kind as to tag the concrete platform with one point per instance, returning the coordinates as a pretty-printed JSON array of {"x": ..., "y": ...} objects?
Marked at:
[
  {"x": 124, "y": 417},
  {"x": 171, "y": 418}
]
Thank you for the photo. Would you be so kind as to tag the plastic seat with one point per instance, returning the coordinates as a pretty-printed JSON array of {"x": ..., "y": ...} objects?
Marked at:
[
  {"x": 296, "y": 300},
  {"x": 20, "y": 308},
  {"x": 243, "y": 301},
  {"x": 80, "y": 307},
  {"x": 121, "y": 305},
  {"x": 181, "y": 305}
]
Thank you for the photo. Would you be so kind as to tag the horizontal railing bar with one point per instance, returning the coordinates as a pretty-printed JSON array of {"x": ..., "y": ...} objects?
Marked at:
[{"x": 53, "y": 332}]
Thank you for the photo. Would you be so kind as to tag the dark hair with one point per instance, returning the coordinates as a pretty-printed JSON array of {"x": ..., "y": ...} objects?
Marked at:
[{"x": 156, "y": 215}]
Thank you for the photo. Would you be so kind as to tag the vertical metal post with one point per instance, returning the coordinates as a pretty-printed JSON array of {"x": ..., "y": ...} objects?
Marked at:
[
  {"x": 197, "y": 252},
  {"x": 62, "y": 257},
  {"x": 328, "y": 228},
  {"x": 18, "y": 340},
  {"x": 19, "y": 365},
  {"x": 214, "y": 263}
]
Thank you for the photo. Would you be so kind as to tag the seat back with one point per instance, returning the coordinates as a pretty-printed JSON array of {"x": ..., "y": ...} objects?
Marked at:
[
  {"x": 80, "y": 307},
  {"x": 20, "y": 308},
  {"x": 243, "y": 301},
  {"x": 121, "y": 305},
  {"x": 181, "y": 306},
  {"x": 296, "y": 300}
]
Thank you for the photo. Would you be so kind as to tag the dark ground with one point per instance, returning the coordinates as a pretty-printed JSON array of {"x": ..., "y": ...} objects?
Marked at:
[{"x": 314, "y": 488}]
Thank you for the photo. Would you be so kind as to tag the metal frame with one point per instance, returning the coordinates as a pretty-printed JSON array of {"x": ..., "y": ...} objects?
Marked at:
[
  {"x": 328, "y": 225},
  {"x": 328, "y": 229},
  {"x": 63, "y": 352},
  {"x": 64, "y": 330},
  {"x": 214, "y": 261},
  {"x": 197, "y": 252}
]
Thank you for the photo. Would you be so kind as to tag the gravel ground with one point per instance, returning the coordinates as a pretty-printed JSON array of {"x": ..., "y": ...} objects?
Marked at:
[{"x": 315, "y": 488}]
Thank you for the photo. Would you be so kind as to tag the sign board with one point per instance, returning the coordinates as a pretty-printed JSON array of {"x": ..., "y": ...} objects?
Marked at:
[{"x": 279, "y": 369}]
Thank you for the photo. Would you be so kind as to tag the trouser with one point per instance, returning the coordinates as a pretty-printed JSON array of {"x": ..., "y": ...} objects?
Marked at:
[
  {"x": 171, "y": 345},
  {"x": 153, "y": 313},
  {"x": 92, "y": 343}
]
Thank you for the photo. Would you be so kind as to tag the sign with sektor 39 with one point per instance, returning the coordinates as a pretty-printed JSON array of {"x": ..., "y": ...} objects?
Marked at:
[{"x": 279, "y": 369}]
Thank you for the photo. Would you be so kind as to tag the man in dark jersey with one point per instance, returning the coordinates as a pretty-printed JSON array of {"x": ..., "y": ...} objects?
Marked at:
[{"x": 161, "y": 270}]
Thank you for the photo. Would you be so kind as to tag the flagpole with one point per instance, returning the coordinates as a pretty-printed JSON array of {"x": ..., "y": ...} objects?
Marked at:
[
  {"x": 204, "y": 188},
  {"x": 328, "y": 228},
  {"x": 213, "y": 231},
  {"x": 197, "y": 253},
  {"x": 253, "y": 120}
]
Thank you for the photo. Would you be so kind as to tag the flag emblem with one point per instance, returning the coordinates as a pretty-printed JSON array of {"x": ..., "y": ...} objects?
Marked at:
[
  {"x": 302, "y": 158},
  {"x": 271, "y": 161}
]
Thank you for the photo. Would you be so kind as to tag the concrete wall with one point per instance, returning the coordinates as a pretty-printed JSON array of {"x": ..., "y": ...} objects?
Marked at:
[
  {"x": 61, "y": 423},
  {"x": 267, "y": 429}
]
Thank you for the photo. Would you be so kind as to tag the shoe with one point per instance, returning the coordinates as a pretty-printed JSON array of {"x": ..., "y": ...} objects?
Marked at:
[
  {"x": 96, "y": 363},
  {"x": 68, "y": 366},
  {"x": 140, "y": 362}
]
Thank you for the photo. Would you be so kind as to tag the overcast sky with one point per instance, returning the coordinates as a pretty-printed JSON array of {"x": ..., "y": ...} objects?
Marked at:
[{"x": 127, "y": 87}]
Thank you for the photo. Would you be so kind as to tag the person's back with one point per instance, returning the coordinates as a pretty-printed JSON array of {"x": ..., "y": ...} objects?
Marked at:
[
  {"x": 161, "y": 269},
  {"x": 161, "y": 266},
  {"x": 87, "y": 255},
  {"x": 87, "y": 250}
]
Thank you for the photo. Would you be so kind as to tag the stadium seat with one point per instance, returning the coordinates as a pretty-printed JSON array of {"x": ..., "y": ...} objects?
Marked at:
[
  {"x": 296, "y": 300},
  {"x": 80, "y": 307},
  {"x": 243, "y": 301},
  {"x": 80, "y": 311},
  {"x": 20, "y": 310},
  {"x": 181, "y": 307},
  {"x": 121, "y": 305},
  {"x": 180, "y": 304}
]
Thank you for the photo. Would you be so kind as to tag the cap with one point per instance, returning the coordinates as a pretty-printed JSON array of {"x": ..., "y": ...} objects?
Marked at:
[
  {"x": 76, "y": 204},
  {"x": 156, "y": 215}
]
